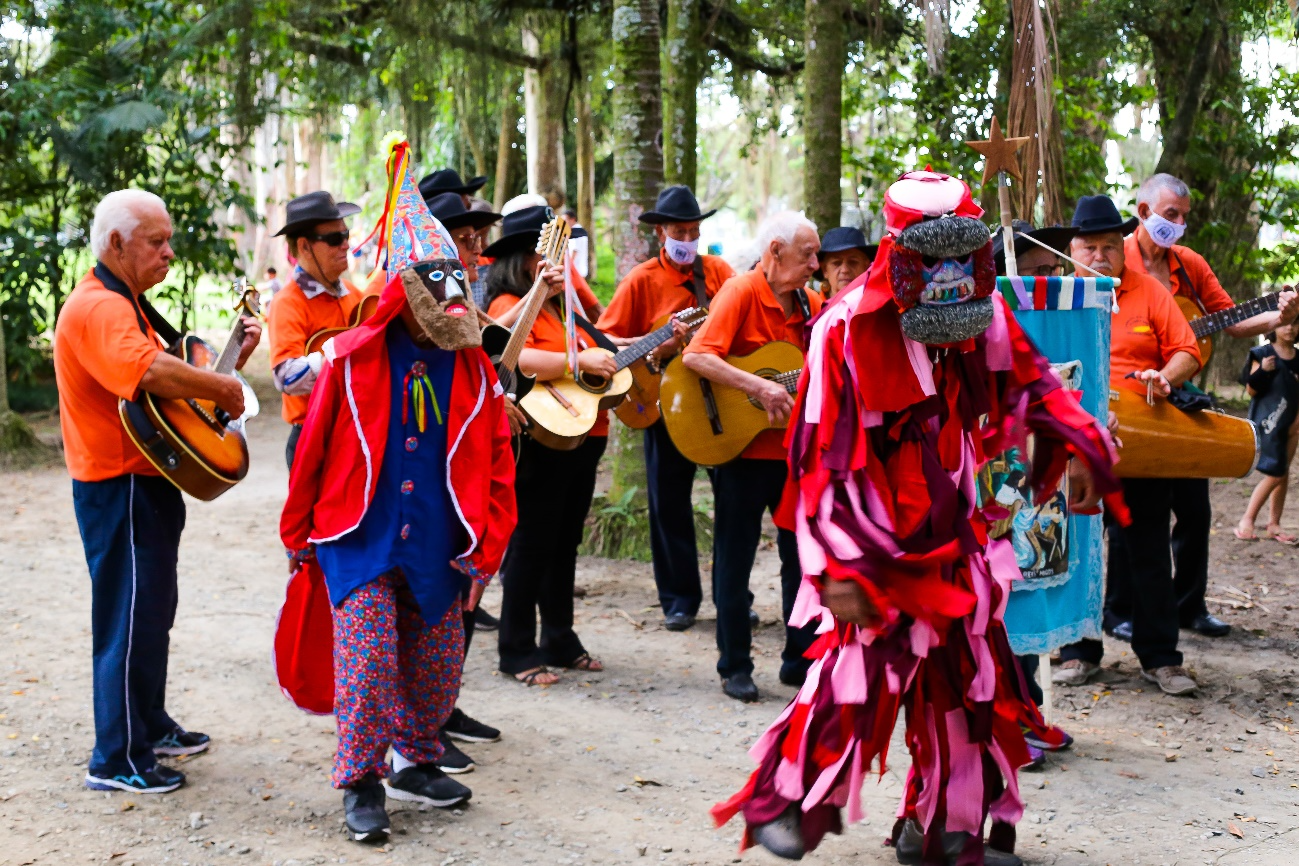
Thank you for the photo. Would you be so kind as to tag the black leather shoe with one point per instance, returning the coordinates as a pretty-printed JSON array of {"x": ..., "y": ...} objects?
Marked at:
[
  {"x": 793, "y": 674},
  {"x": 363, "y": 809},
  {"x": 783, "y": 836},
  {"x": 753, "y": 618},
  {"x": 1121, "y": 631},
  {"x": 912, "y": 837},
  {"x": 678, "y": 621},
  {"x": 740, "y": 687},
  {"x": 1210, "y": 626}
]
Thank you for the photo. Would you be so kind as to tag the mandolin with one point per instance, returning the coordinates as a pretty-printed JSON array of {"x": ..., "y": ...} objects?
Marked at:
[
  {"x": 363, "y": 310},
  {"x": 563, "y": 411},
  {"x": 641, "y": 408},
  {"x": 1205, "y": 326},
  {"x": 503, "y": 345},
  {"x": 195, "y": 445},
  {"x": 712, "y": 424}
]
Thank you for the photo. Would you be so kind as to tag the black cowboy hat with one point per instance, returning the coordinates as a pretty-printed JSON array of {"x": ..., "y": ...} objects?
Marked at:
[
  {"x": 520, "y": 231},
  {"x": 676, "y": 204},
  {"x": 450, "y": 210},
  {"x": 307, "y": 210},
  {"x": 1055, "y": 237},
  {"x": 844, "y": 238},
  {"x": 448, "y": 180},
  {"x": 1097, "y": 214}
]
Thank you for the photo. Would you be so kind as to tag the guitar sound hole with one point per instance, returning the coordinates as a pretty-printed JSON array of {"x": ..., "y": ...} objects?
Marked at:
[
  {"x": 592, "y": 383},
  {"x": 766, "y": 373}
]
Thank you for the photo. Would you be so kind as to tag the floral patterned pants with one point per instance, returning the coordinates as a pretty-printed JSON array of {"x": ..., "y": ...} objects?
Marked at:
[{"x": 396, "y": 678}]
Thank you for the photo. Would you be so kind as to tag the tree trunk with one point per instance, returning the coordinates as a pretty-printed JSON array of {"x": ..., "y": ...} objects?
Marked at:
[
  {"x": 544, "y": 90},
  {"x": 586, "y": 171},
  {"x": 823, "y": 111},
  {"x": 637, "y": 178},
  {"x": 509, "y": 121},
  {"x": 314, "y": 150},
  {"x": 682, "y": 63}
]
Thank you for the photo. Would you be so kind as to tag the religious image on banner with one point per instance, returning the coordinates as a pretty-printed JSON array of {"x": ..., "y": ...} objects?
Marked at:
[{"x": 1039, "y": 532}]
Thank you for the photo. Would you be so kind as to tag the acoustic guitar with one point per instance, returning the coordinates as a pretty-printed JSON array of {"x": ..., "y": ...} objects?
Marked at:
[
  {"x": 195, "y": 445},
  {"x": 1205, "y": 326},
  {"x": 563, "y": 411},
  {"x": 712, "y": 424},
  {"x": 503, "y": 345},
  {"x": 1162, "y": 441},
  {"x": 362, "y": 311},
  {"x": 641, "y": 408}
]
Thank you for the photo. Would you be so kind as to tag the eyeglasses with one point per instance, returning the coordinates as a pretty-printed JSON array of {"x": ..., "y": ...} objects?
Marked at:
[
  {"x": 333, "y": 239},
  {"x": 1043, "y": 271}
]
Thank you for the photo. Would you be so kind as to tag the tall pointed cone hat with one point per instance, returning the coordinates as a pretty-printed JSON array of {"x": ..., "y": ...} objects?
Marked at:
[{"x": 407, "y": 232}]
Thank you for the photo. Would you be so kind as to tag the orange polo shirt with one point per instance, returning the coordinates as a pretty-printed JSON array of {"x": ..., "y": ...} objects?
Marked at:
[
  {"x": 1147, "y": 330},
  {"x": 100, "y": 355},
  {"x": 296, "y": 318},
  {"x": 744, "y": 317},
  {"x": 654, "y": 290},
  {"x": 547, "y": 334},
  {"x": 1212, "y": 294}
]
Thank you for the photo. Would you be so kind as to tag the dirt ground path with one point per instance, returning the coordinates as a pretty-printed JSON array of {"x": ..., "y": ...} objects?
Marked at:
[{"x": 619, "y": 767}]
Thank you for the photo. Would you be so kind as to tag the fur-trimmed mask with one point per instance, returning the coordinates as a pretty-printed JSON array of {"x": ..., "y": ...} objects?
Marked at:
[
  {"x": 444, "y": 309},
  {"x": 940, "y": 268}
]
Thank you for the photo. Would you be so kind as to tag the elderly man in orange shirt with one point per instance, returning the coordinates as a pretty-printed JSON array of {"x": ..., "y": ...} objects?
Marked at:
[
  {"x": 1163, "y": 204},
  {"x": 1151, "y": 346},
  {"x": 131, "y": 518},
  {"x": 317, "y": 298},
  {"x": 769, "y": 303},
  {"x": 677, "y": 278}
]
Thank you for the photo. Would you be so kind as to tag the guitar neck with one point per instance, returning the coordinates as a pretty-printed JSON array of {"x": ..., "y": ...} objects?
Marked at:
[
  {"x": 789, "y": 380},
  {"x": 631, "y": 354},
  {"x": 225, "y": 362},
  {"x": 1215, "y": 322},
  {"x": 523, "y": 325}
]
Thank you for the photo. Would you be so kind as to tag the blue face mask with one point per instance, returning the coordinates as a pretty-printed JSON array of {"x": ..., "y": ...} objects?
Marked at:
[
  {"x": 1163, "y": 232},
  {"x": 681, "y": 252}
]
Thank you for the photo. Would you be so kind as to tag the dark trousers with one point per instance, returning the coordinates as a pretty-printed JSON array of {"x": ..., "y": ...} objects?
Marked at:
[
  {"x": 554, "y": 490},
  {"x": 672, "y": 523},
  {"x": 1139, "y": 559},
  {"x": 1190, "y": 544},
  {"x": 744, "y": 489},
  {"x": 291, "y": 447},
  {"x": 130, "y": 529}
]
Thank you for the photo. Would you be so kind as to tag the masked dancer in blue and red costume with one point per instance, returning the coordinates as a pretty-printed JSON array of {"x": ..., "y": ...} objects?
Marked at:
[
  {"x": 402, "y": 493},
  {"x": 917, "y": 374}
]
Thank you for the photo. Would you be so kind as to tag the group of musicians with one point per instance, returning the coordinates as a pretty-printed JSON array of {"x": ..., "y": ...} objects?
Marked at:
[{"x": 131, "y": 519}]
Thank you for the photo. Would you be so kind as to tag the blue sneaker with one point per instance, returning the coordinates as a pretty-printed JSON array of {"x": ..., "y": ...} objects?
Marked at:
[
  {"x": 182, "y": 742},
  {"x": 157, "y": 780}
]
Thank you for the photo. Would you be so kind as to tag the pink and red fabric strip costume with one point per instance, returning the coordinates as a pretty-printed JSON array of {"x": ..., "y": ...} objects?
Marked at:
[{"x": 885, "y": 440}]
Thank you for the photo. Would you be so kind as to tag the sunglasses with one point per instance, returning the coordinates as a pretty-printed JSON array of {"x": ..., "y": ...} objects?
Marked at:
[{"x": 333, "y": 239}]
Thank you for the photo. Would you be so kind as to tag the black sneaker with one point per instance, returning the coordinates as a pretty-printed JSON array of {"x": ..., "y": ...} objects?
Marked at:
[
  {"x": 363, "y": 809},
  {"x": 453, "y": 760},
  {"x": 484, "y": 621},
  {"x": 156, "y": 780},
  {"x": 182, "y": 742},
  {"x": 461, "y": 727},
  {"x": 425, "y": 783}
]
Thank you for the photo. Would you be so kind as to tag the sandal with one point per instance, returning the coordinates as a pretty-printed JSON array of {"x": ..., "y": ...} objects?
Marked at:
[
  {"x": 1240, "y": 536},
  {"x": 585, "y": 662},
  {"x": 530, "y": 678},
  {"x": 1281, "y": 537}
]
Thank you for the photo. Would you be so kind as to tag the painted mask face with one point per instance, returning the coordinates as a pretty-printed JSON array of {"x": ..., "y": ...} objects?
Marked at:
[
  {"x": 942, "y": 275},
  {"x": 438, "y": 297}
]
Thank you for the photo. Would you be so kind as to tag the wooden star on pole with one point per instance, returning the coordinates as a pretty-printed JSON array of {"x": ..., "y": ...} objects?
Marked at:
[{"x": 999, "y": 153}]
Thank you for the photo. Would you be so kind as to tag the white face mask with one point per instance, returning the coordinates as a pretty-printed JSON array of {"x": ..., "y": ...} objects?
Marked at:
[
  {"x": 681, "y": 252},
  {"x": 1163, "y": 232}
]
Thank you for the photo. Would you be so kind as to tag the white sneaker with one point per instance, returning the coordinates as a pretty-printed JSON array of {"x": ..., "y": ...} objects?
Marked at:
[{"x": 1074, "y": 672}]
